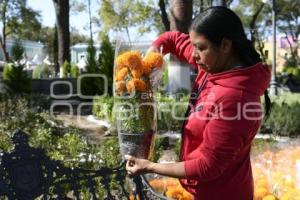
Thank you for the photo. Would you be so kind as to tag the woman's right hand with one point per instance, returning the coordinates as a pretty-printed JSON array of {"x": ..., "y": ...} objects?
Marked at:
[{"x": 153, "y": 49}]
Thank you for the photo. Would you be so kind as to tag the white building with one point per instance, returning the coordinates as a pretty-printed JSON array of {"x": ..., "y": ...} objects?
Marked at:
[
  {"x": 32, "y": 49},
  {"x": 79, "y": 54},
  {"x": 33, "y": 55}
]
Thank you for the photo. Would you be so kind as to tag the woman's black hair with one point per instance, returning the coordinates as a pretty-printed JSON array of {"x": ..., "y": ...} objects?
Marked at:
[{"x": 219, "y": 22}]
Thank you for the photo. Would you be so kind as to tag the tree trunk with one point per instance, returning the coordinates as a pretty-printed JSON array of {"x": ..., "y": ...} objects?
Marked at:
[
  {"x": 181, "y": 15},
  {"x": 62, "y": 8},
  {"x": 3, "y": 49},
  {"x": 90, "y": 18},
  {"x": 180, "y": 19},
  {"x": 3, "y": 39},
  {"x": 164, "y": 15},
  {"x": 55, "y": 50}
]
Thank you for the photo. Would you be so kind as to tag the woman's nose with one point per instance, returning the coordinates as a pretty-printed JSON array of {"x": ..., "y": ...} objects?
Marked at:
[{"x": 195, "y": 55}]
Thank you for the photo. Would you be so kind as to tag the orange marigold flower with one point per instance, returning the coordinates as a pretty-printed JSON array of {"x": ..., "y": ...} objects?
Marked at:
[
  {"x": 120, "y": 62},
  {"x": 187, "y": 196},
  {"x": 130, "y": 86},
  {"x": 121, "y": 74},
  {"x": 137, "y": 73},
  {"x": 260, "y": 193},
  {"x": 172, "y": 182},
  {"x": 153, "y": 59},
  {"x": 133, "y": 197},
  {"x": 269, "y": 197},
  {"x": 158, "y": 185},
  {"x": 174, "y": 192},
  {"x": 140, "y": 85},
  {"x": 120, "y": 87},
  {"x": 132, "y": 59},
  {"x": 147, "y": 69},
  {"x": 136, "y": 85}
]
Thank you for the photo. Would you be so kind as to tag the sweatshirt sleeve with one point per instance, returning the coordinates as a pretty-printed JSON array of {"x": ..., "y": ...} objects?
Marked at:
[
  {"x": 176, "y": 43},
  {"x": 224, "y": 138}
]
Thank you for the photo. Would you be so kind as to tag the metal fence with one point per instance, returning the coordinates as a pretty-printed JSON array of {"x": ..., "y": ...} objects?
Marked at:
[{"x": 28, "y": 173}]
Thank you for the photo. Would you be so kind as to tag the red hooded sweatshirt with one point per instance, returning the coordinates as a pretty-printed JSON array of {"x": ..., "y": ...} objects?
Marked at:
[{"x": 218, "y": 132}]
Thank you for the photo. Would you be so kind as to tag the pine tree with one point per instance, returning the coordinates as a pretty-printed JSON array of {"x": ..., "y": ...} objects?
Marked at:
[
  {"x": 91, "y": 85},
  {"x": 15, "y": 78},
  {"x": 106, "y": 62}
]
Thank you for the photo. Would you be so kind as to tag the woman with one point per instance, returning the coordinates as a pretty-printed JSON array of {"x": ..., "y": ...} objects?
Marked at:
[{"x": 224, "y": 116}]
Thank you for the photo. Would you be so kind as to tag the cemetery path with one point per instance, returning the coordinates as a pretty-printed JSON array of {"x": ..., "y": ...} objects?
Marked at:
[{"x": 92, "y": 128}]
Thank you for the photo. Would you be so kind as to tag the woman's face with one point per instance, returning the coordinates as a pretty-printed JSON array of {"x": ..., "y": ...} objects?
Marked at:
[{"x": 211, "y": 58}]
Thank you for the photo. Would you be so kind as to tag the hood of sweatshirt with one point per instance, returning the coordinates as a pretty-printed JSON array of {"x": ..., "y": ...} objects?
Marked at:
[{"x": 254, "y": 79}]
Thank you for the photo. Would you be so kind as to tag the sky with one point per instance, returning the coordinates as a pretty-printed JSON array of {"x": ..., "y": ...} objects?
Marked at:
[
  {"x": 46, "y": 8},
  {"x": 79, "y": 21}
]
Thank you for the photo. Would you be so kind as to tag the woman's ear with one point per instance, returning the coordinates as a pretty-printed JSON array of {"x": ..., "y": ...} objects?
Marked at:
[{"x": 226, "y": 45}]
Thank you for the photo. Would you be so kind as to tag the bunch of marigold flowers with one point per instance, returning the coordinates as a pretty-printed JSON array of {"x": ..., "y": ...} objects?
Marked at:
[{"x": 132, "y": 72}]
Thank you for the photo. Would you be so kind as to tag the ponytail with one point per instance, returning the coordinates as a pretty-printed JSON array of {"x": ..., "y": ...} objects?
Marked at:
[
  {"x": 268, "y": 105},
  {"x": 249, "y": 56},
  {"x": 246, "y": 51}
]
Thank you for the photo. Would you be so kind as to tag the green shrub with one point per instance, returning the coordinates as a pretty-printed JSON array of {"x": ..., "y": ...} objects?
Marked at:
[
  {"x": 161, "y": 144},
  {"x": 288, "y": 70},
  {"x": 288, "y": 98},
  {"x": 110, "y": 152},
  {"x": 60, "y": 143},
  {"x": 295, "y": 71},
  {"x": 106, "y": 62},
  {"x": 36, "y": 72},
  {"x": 177, "y": 146},
  {"x": 41, "y": 72},
  {"x": 290, "y": 61},
  {"x": 170, "y": 113},
  {"x": 166, "y": 77},
  {"x": 16, "y": 79},
  {"x": 89, "y": 85},
  {"x": 66, "y": 69},
  {"x": 283, "y": 120},
  {"x": 17, "y": 51},
  {"x": 261, "y": 145},
  {"x": 45, "y": 71},
  {"x": 103, "y": 108},
  {"x": 74, "y": 71},
  {"x": 38, "y": 102}
]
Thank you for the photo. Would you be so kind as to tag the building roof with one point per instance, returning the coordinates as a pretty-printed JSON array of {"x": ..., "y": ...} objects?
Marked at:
[
  {"x": 83, "y": 46},
  {"x": 25, "y": 43}
]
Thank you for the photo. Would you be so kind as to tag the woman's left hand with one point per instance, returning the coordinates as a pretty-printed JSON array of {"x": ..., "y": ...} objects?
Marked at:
[{"x": 136, "y": 166}]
